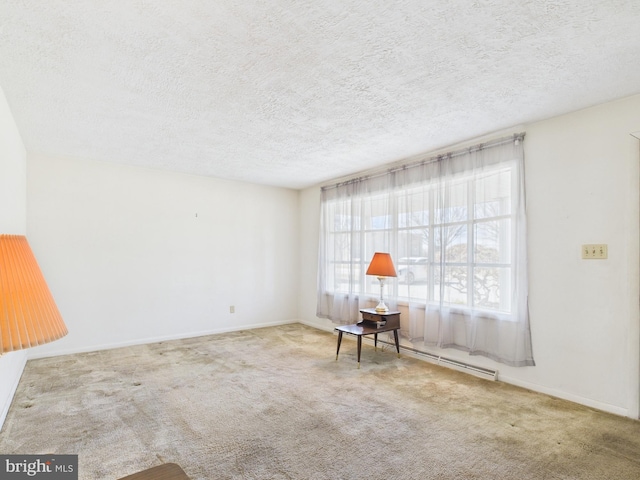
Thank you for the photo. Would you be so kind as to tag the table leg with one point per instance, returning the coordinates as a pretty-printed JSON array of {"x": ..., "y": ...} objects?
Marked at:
[
  {"x": 359, "y": 348},
  {"x": 395, "y": 335},
  {"x": 339, "y": 342},
  {"x": 375, "y": 342}
]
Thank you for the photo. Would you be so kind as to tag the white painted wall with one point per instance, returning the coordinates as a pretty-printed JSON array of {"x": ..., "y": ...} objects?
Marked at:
[
  {"x": 13, "y": 220},
  {"x": 134, "y": 255},
  {"x": 13, "y": 174},
  {"x": 582, "y": 186},
  {"x": 582, "y": 173}
]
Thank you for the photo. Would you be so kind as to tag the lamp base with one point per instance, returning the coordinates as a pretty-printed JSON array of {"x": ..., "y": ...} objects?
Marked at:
[{"x": 382, "y": 308}]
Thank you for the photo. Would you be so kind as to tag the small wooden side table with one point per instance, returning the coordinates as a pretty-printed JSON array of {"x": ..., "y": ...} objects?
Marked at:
[{"x": 372, "y": 323}]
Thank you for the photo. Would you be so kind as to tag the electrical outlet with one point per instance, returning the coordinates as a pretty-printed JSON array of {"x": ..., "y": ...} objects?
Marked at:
[
  {"x": 594, "y": 251},
  {"x": 232, "y": 309}
]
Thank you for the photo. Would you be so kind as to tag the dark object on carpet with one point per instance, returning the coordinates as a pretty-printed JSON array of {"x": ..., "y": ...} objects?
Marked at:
[{"x": 168, "y": 471}]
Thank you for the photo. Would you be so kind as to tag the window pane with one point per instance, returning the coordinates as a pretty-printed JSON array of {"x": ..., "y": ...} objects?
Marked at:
[
  {"x": 452, "y": 286},
  {"x": 413, "y": 243},
  {"x": 342, "y": 222},
  {"x": 377, "y": 213},
  {"x": 342, "y": 276},
  {"x": 342, "y": 217},
  {"x": 450, "y": 242},
  {"x": 491, "y": 288},
  {"x": 493, "y": 194},
  {"x": 340, "y": 248},
  {"x": 452, "y": 205},
  {"x": 344, "y": 270},
  {"x": 413, "y": 208},
  {"x": 413, "y": 269},
  {"x": 376, "y": 241},
  {"x": 492, "y": 241},
  {"x": 416, "y": 291}
]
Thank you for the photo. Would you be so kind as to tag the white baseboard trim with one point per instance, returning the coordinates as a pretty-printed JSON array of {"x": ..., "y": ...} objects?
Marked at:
[
  {"x": 320, "y": 325},
  {"x": 164, "y": 338},
  {"x": 553, "y": 392}
]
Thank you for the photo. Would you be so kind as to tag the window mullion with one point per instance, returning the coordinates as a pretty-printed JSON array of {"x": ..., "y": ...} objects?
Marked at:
[
  {"x": 394, "y": 236},
  {"x": 432, "y": 244},
  {"x": 471, "y": 191},
  {"x": 362, "y": 289}
]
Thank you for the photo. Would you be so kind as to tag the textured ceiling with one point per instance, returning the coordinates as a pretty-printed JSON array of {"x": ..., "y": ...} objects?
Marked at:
[{"x": 295, "y": 92}]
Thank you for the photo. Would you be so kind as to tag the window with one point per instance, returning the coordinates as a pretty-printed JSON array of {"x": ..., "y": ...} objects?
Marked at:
[
  {"x": 459, "y": 254},
  {"x": 454, "y": 226}
]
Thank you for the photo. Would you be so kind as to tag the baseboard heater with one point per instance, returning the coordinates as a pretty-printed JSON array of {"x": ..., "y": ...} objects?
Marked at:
[{"x": 481, "y": 372}]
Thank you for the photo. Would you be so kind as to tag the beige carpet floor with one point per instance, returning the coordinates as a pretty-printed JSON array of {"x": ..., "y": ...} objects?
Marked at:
[{"x": 273, "y": 403}]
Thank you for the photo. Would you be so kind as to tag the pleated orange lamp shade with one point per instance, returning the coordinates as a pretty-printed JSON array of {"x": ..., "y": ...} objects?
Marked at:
[
  {"x": 28, "y": 314},
  {"x": 381, "y": 266}
]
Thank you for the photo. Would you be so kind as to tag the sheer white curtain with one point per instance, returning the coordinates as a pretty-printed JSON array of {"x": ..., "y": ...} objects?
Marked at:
[{"x": 455, "y": 226}]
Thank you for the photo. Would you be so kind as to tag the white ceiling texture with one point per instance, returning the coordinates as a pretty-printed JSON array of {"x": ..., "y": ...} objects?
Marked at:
[{"x": 295, "y": 92}]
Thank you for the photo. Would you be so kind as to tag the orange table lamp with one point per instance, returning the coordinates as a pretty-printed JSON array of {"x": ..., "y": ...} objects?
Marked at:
[{"x": 382, "y": 267}]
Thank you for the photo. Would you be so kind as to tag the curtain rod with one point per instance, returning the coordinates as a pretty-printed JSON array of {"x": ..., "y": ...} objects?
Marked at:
[{"x": 516, "y": 138}]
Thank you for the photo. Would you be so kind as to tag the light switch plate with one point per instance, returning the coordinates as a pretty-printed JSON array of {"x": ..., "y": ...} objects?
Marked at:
[{"x": 596, "y": 251}]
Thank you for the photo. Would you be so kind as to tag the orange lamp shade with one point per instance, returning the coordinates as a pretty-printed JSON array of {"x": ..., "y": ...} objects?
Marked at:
[
  {"x": 28, "y": 314},
  {"x": 381, "y": 266}
]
